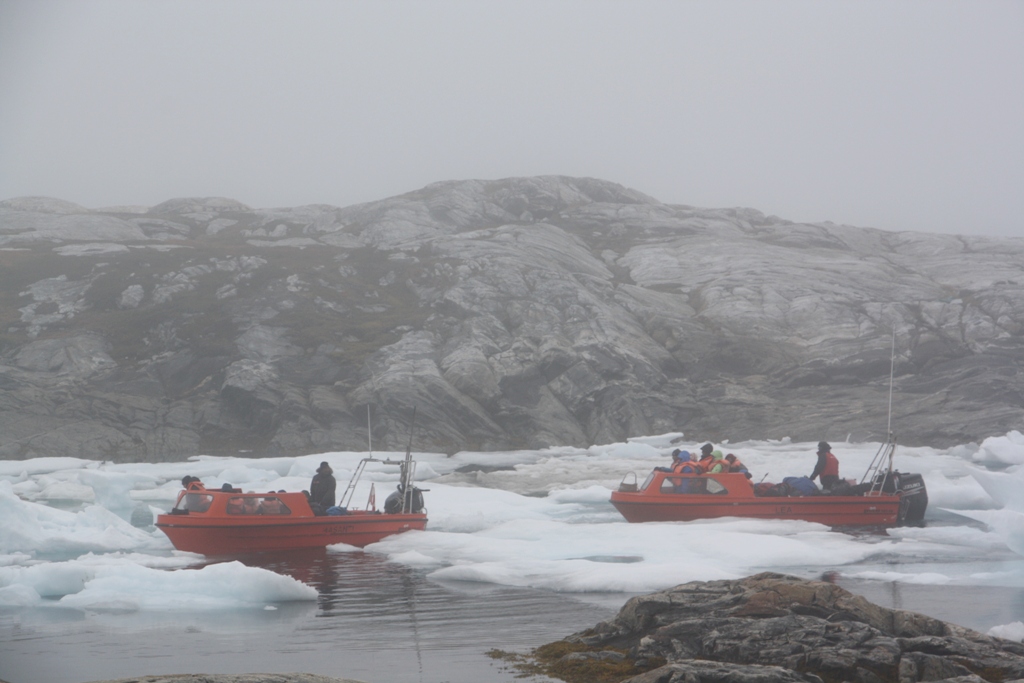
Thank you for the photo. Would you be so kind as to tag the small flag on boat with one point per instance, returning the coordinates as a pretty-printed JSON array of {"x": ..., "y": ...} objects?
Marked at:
[{"x": 372, "y": 504}]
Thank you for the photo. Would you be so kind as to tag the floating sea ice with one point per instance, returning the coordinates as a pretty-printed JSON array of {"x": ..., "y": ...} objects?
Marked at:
[
  {"x": 1004, "y": 488},
  {"x": 1011, "y": 631},
  {"x": 122, "y": 584},
  {"x": 38, "y": 466},
  {"x": 1008, "y": 524},
  {"x": 39, "y": 529},
  {"x": 621, "y": 557},
  {"x": 956, "y": 490},
  {"x": 1008, "y": 449},
  {"x": 922, "y": 578}
]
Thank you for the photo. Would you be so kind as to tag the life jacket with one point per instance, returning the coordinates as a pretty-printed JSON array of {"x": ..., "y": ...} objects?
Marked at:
[
  {"x": 706, "y": 463},
  {"x": 831, "y": 465},
  {"x": 737, "y": 466}
]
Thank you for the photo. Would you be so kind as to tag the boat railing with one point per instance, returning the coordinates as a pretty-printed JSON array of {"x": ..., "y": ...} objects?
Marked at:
[
  {"x": 346, "y": 498},
  {"x": 879, "y": 472}
]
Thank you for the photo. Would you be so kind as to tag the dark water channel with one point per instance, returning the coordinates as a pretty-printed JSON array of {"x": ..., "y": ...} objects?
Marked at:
[{"x": 373, "y": 621}]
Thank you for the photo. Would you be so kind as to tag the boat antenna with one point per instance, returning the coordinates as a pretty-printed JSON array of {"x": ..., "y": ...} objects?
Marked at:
[
  {"x": 886, "y": 452},
  {"x": 369, "y": 433},
  {"x": 892, "y": 370},
  {"x": 407, "y": 468}
]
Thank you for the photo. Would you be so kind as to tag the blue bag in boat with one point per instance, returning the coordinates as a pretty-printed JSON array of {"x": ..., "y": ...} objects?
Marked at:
[
  {"x": 334, "y": 511},
  {"x": 801, "y": 486}
]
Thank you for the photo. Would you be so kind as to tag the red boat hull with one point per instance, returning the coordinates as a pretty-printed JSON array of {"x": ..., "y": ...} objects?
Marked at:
[
  {"x": 218, "y": 538},
  {"x": 735, "y": 498},
  {"x": 210, "y": 523}
]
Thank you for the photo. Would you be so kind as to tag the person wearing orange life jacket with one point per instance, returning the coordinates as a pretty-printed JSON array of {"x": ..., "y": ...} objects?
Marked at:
[
  {"x": 677, "y": 462},
  {"x": 707, "y": 460},
  {"x": 827, "y": 467},
  {"x": 718, "y": 463},
  {"x": 687, "y": 464},
  {"x": 736, "y": 466}
]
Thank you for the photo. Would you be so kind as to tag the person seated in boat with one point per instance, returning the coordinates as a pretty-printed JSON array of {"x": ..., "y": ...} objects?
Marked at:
[
  {"x": 251, "y": 506},
  {"x": 707, "y": 459},
  {"x": 235, "y": 506},
  {"x": 680, "y": 463},
  {"x": 321, "y": 489},
  {"x": 718, "y": 463},
  {"x": 827, "y": 467},
  {"x": 271, "y": 505},
  {"x": 687, "y": 463},
  {"x": 736, "y": 466},
  {"x": 672, "y": 466}
]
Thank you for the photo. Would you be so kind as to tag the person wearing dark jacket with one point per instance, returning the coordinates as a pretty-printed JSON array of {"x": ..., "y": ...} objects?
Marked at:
[
  {"x": 321, "y": 489},
  {"x": 827, "y": 467}
]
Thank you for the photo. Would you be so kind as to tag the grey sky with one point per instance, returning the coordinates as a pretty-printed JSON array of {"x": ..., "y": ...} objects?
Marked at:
[{"x": 896, "y": 115}]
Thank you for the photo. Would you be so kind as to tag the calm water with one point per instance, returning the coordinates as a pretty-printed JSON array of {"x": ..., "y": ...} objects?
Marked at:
[{"x": 374, "y": 621}]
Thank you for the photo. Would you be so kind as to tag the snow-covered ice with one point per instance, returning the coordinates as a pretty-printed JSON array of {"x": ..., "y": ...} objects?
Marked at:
[{"x": 78, "y": 534}]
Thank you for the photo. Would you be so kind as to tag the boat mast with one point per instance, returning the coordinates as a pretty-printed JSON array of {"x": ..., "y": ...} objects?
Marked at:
[
  {"x": 892, "y": 369},
  {"x": 407, "y": 470},
  {"x": 892, "y": 372},
  {"x": 887, "y": 451}
]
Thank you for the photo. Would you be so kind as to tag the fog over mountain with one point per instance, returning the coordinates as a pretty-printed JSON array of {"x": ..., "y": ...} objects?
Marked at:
[{"x": 516, "y": 313}]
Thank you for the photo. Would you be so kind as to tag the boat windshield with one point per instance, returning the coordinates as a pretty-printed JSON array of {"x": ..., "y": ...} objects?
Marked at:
[
  {"x": 647, "y": 482},
  {"x": 692, "y": 484}
]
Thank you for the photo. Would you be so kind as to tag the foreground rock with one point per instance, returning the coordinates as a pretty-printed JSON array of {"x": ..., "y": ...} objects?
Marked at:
[
  {"x": 232, "y": 678},
  {"x": 518, "y": 313},
  {"x": 772, "y": 628}
]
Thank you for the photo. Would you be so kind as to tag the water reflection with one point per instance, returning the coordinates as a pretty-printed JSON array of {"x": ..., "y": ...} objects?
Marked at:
[{"x": 370, "y": 602}]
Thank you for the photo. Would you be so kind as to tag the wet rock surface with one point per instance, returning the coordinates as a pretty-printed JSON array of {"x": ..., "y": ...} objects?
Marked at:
[
  {"x": 775, "y": 628},
  {"x": 518, "y": 313},
  {"x": 232, "y": 678}
]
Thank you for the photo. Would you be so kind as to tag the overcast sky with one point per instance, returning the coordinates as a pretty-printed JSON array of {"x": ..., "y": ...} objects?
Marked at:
[{"x": 888, "y": 114}]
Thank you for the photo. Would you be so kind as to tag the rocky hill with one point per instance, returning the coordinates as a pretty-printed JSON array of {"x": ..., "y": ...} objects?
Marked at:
[{"x": 516, "y": 313}]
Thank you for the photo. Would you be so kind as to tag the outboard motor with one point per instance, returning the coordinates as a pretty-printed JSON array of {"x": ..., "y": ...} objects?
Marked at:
[
  {"x": 393, "y": 504},
  {"x": 911, "y": 490},
  {"x": 913, "y": 498}
]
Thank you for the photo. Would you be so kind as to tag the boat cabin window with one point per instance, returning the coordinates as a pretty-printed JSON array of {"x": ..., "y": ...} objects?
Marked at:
[
  {"x": 257, "y": 505},
  {"x": 647, "y": 482},
  {"x": 196, "y": 502},
  {"x": 272, "y": 505},
  {"x": 698, "y": 484}
]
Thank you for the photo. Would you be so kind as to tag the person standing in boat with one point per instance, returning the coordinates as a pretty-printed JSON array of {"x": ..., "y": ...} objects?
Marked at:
[
  {"x": 827, "y": 467},
  {"x": 321, "y": 489}
]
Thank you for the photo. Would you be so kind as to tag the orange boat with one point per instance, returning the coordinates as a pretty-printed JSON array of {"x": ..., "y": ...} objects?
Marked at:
[
  {"x": 884, "y": 497},
  {"x": 216, "y": 522},
  {"x": 228, "y": 522},
  {"x": 668, "y": 497}
]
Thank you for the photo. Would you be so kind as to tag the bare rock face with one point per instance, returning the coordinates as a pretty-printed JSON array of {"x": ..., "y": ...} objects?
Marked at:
[
  {"x": 233, "y": 678},
  {"x": 517, "y": 313},
  {"x": 775, "y": 628}
]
